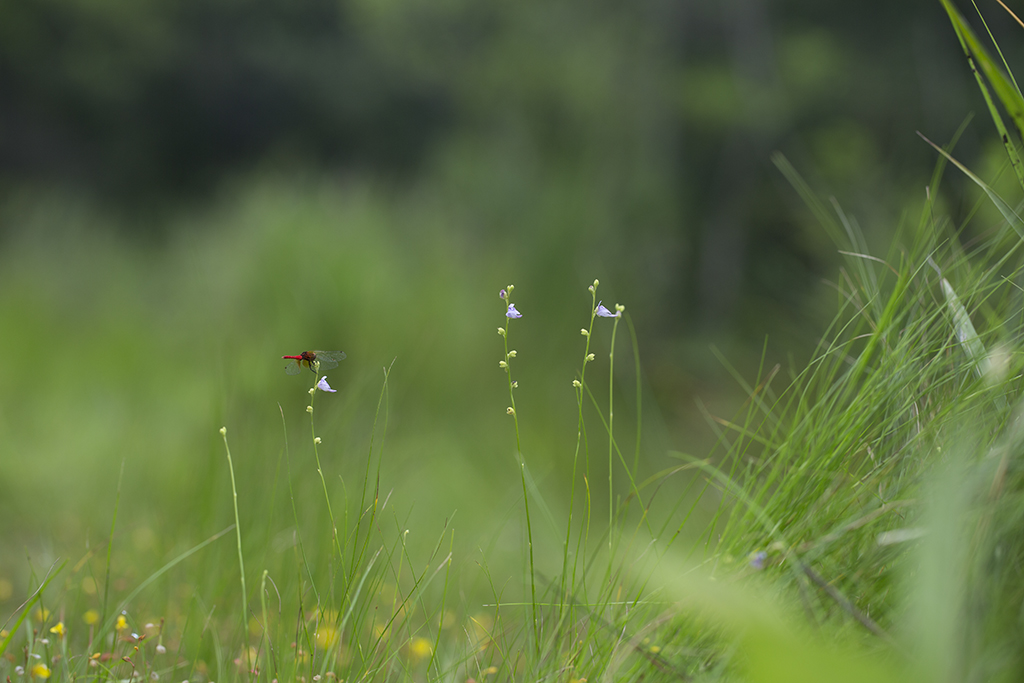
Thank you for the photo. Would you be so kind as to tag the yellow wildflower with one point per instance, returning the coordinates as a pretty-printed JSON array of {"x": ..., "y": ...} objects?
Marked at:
[
  {"x": 326, "y": 636},
  {"x": 122, "y": 623},
  {"x": 419, "y": 648},
  {"x": 91, "y": 617},
  {"x": 41, "y": 671},
  {"x": 58, "y": 629}
]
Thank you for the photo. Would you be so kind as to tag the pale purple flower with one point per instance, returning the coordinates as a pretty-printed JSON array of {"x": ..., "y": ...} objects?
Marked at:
[
  {"x": 603, "y": 312},
  {"x": 322, "y": 385},
  {"x": 503, "y": 294},
  {"x": 512, "y": 312},
  {"x": 757, "y": 559}
]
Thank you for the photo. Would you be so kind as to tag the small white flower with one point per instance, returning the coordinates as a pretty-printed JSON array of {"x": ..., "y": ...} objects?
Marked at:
[{"x": 322, "y": 385}]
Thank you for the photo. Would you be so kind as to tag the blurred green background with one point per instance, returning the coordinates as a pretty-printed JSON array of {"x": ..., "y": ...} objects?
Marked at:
[{"x": 189, "y": 190}]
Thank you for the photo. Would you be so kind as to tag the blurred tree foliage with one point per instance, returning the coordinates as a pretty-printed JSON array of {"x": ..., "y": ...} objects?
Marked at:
[{"x": 644, "y": 127}]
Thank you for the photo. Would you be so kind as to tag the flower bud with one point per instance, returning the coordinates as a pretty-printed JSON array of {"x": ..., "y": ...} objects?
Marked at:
[
  {"x": 510, "y": 410},
  {"x": 512, "y": 353},
  {"x": 309, "y": 409},
  {"x": 576, "y": 383},
  {"x": 585, "y": 332},
  {"x": 589, "y": 357},
  {"x": 501, "y": 331},
  {"x": 316, "y": 440},
  {"x": 502, "y": 364},
  {"x": 223, "y": 431}
]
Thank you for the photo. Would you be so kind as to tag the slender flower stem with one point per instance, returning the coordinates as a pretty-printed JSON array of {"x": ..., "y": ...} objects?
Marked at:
[
  {"x": 319, "y": 469},
  {"x": 522, "y": 461},
  {"x": 611, "y": 439},
  {"x": 241, "y": 561},
  {"x": 578, "y": 385}
]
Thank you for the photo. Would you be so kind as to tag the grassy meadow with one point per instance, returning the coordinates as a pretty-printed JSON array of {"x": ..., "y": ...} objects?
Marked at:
[{"x": 489, "y": 497}]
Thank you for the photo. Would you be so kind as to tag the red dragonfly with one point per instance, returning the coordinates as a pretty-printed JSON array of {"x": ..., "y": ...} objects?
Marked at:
[{"x": 327, "y": 360}]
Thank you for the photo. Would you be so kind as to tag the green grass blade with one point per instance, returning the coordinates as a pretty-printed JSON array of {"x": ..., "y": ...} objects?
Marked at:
[
  {"x": 1005, "y": 209},
  {"x": 1007, "y": 93},
  {"x": 27, "y": 606}
]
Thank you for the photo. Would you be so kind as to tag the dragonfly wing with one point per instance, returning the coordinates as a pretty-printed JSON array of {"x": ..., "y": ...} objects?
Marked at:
[
  {"x": 293, "y": 368},
  {"x": 329, "y": 359}
]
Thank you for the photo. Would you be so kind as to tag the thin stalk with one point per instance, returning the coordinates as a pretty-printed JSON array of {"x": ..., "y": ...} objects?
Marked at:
[
  {"x": 522, "y": 461},
  {"x": 611, "y": 438},
  {"x": 319, "y": 469},
  {"x": 110, "y": 547},
  {"x": 241, "y": 560}
]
